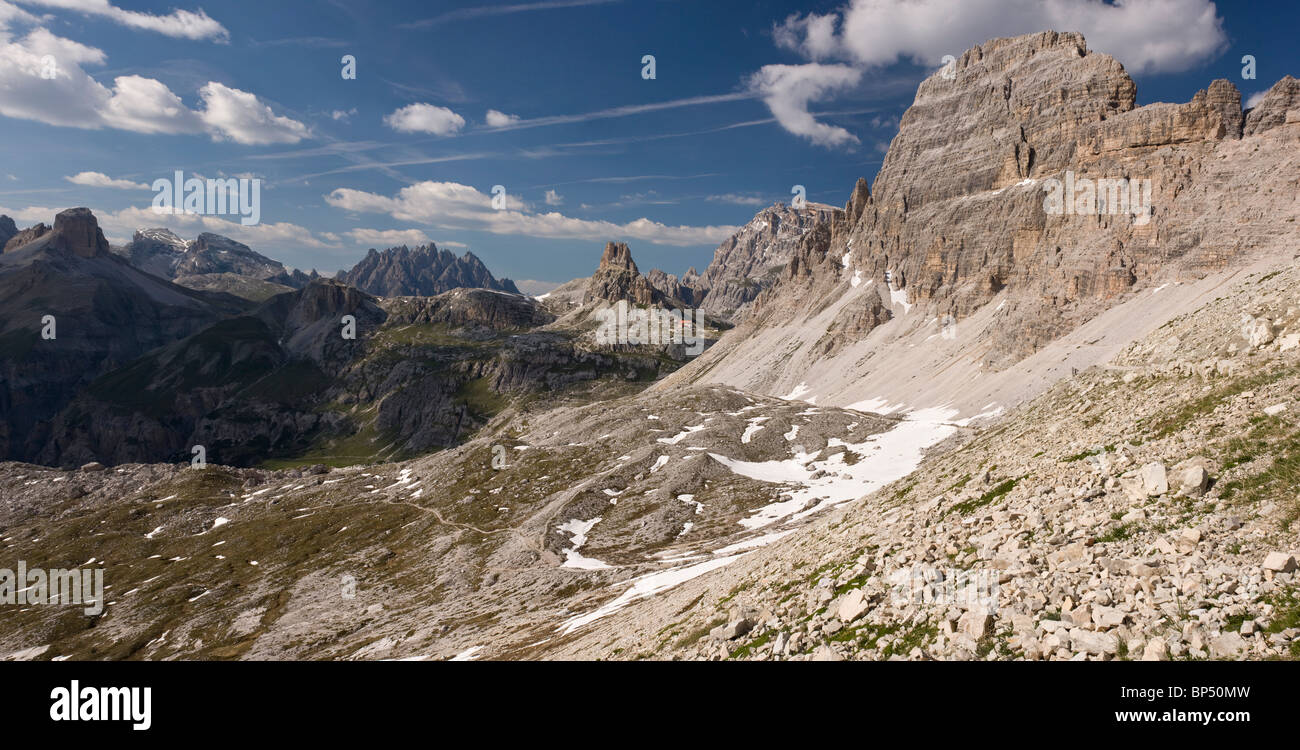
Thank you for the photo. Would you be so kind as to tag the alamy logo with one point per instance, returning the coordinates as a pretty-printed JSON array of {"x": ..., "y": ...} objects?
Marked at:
[
  {"x": 622, "y": 324},
  {"x": 1086, "y": 197},
  {"x": 76, "y": 703},
  {"x": 56, "y": 586},
  {"x": 231, "y": 196}
]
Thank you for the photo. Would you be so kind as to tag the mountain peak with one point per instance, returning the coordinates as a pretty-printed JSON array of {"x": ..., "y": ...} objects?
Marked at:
[
  {"x": 617, "y": 256},
  {"x": 75, "y": 231},
  {"x": 425, "y": 271}
]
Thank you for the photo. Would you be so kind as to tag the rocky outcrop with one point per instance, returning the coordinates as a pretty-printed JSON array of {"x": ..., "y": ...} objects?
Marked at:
[
  {"x": 1280, "y": 106},
  {"x": 752, "y": 259},
  {"x": 618, "y": 278},
  {"x": 682, "y": 289},
  {"x": 7, "y": 230},
  {"x": 75, "y": 231},
  {"x": 424, "y": 271},
  {"x": 471, "y": 308},
  {"x": 25, "y": 237}
]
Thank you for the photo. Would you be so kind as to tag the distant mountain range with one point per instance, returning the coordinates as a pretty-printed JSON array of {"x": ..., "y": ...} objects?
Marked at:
[
  {"x": 163, "y": 344},
  {"x": 211, "y": 262}
]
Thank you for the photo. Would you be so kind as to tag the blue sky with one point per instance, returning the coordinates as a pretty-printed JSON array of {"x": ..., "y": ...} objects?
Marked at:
[{"x": 749, "y": 99}]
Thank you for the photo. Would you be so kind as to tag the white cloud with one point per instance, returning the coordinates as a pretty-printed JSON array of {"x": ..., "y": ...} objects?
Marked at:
[
  {"x": 425, "y": 118},
  {"x": 11, "y": 13},
  {"x": 99, "y": 179},
  {"x": 343, "y": 114},
  {"x": 497, "y": 119},
  {"x": 1255, "y": 99},
  {"x": 243, "y": 118},
  {"x": 1138, "y": 33},
  {"x": 450, "y": 205},
  {"x": 118, "y": 226},
  {"x": 182, "y": 24},
  {"x": 813, "y": 35},
  {"x": 72, "y": 98},
  {"x": 143, "y": 105},
  {"x": 553, "y": 198},
  {"x": 388, "y": 237},
  {"x": 787, "y": 90},
  {"x": 740, "y": 200}
]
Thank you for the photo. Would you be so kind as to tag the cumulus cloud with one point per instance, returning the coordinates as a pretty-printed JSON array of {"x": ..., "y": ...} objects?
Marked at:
[
  {"x": 553, "y": 198},
  {"x": 182, "y": 24},
  {"x": 241, "y": 117},
  {"x": 497, "y": 119},
  {"x": 343, "y": 114},
  {"x": 787, "y": 90},
  {"x": 42, "y": 79},
  {"x": 118, "y": 226},
  {"x": 99, "y": 179},
  {"x": 1255, "y": 99},
  {"x": 865, "y": 34},
  {"x": 425, "y": 118},
  {"x": 451, "y": 205},
  {"x": 880, "y": 32}
]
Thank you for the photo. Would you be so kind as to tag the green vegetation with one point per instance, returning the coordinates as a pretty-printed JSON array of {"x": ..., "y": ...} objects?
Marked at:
[
  {"x": 1183, "y": 416},
  {"x": 693, "y": 637},
  {"x": 478, "y": 396},
  {"x": 1268, "y": 439},
  {"x": 992, "y": 495},
  {"x": 749, "y": 648},
  {"x": 1118, "y": 533}
]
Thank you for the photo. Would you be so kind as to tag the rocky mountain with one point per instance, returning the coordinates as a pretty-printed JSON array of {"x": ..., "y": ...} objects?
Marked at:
[
  {"x": 213, "y": 263},
  {"x": 952, "y": 264},
  {"x": 748, "y": 262},
  {"x": 71, "y": 310},
  {"x": 618, "y": 278},
  {"x": 424, "y": 271},
  {"x": 157, "y": 251}
]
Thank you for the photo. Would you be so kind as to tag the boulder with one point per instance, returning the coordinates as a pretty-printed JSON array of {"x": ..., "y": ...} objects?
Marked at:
[
  {"x": 1279, "y": 562},
  {"x": 853, "y": 605},
  {"x": 1155, "y": 481}
]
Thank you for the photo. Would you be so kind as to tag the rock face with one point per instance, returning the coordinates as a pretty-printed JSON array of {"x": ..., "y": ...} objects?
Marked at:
[
  {"x": 26, "y": 236},
  {"x": 424, "y": 271},
  {"x": 618, "y": 278},
  {"x": 214, "y": 254},
  {"x": 77, "y": 231},
  {"x": 7, "y": 230},
  {"x": 1281, "y": 105},
  {"x": 957, "y": 225},
  {"x": 751, "y": 260},
  {"x": 211, "y": 262},
  {"x": 156, "y": 251}
]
